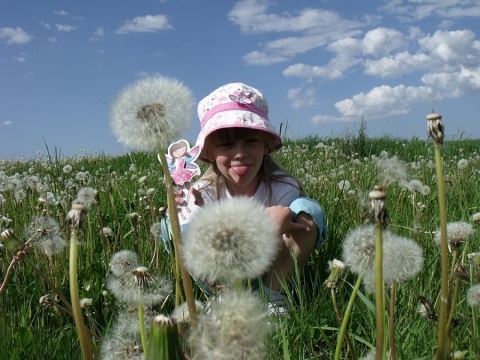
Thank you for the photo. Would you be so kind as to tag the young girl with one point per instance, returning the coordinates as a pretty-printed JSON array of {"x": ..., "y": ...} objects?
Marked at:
[{"x": 236, "y": 138}]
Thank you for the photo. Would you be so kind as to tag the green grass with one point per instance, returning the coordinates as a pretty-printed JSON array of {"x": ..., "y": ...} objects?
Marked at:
[{"x": 29, "y": 330}]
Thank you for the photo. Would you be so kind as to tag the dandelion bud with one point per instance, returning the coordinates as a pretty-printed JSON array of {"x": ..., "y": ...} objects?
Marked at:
[
  {"x": 336, "y": 268},
  {"x": 9, "y": 239},
  {"x": 162, "y": 211},
  {"x": 462, "y": 272},
  {"x": 378, "y": 212},
  {"x": 164, "y": 342},
  {"x": 459, "y": 354},
  {"x": 75, "y": 216},
  {"x": 476, "y": 218},
  {"x": 435, "y": 127}
]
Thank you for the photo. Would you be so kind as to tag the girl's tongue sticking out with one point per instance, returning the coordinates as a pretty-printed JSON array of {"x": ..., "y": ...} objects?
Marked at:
[{"x": 240, "y": 169}]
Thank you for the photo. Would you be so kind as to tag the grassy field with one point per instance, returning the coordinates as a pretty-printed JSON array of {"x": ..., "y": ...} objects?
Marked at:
[{"x": 130, "y": 193}]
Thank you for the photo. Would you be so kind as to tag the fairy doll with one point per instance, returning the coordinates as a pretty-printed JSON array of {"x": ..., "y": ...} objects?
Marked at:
[{"x": 181, "y": 163}]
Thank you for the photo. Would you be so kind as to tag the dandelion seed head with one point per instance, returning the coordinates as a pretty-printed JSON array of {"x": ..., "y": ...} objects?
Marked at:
[
  {"x": 152, "y": 113},
  {"x": 344, "y": 185},
  {"x": 156, "y": 230},
  {"x": 230, "y": 239},
  {"x": 86, "y": 196},
  {"x": 457, "y": 233},
  {"x": 139, "y": 286},
  {"x": 235, "y": 328},
  {"x": 42, "y": 228},
  {"x": 391, "y": 170},
  {"x": 86, "y": 302},
  {"x": 67, "y": 169},
  {"x": 462, "y": 164},
  {"x": 402, "y": 258},
  {"x": 473, "y": 296},
  {"x": 359, "y": 249},
  {"x": 106, "y": 231},
  {"x": 122, "y": 262},
  {"x": 425, "y": 190},
  {"x": 414, "y": 186},
  {"x": 51, "y": 246}
]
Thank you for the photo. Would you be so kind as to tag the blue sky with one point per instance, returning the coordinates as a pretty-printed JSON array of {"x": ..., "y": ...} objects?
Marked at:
[{"x": 321, "y": 64}]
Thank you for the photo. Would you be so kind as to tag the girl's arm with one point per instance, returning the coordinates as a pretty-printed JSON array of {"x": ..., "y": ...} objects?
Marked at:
[{"x": 282, "y": 216}]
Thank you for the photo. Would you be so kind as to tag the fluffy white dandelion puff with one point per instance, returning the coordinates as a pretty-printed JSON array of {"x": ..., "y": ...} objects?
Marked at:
[
  {"x": 86, "y": 196},
  {"x": 473, "y": 296},
  {"x": 44, "y": 233},
  {"x": 391, "y": 170},
  {"x": 229, "y": 240},
  {"x": 415, "y": 186},
  {"x": 123, "y": 262},
  {"x": 359, "y": 249},
  {"x": 139, "y": 286},
  {"x": 42, "y": 227},
  {"x": 152, "y": 113},
  {"x": 235, "y": 328},
  {"x": 462, "y": 164},
  {"x": 52, "y": 245},
  {"x": 344, "y": 185},
  {"x": 402, "y": 258},
  {"x": 458, "y": 232}
]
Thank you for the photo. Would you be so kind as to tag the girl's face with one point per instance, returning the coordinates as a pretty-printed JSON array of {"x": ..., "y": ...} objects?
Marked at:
[{"x": 238, "y": 155}]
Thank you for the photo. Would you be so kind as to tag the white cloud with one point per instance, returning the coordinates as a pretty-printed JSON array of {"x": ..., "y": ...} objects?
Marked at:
[
  {"x": 452, "y": 47},
  {"x": 52, "y": 39},
  {"x": 317, "y": 28},
  {"x": 98, "y": 34},
  {"x": 382, "y": 41},
  {"x": 302, "y": 98},
  {"x": 15, "y": 36},
  {"x": 149, "y": 23},
  {"x": 46, "y": 25},
  {"x": 60, "y": 13},
  {"x": 455, "y": 84},
  {"x": 65, "y": 28},
  {"x": 408, "y": 10},
  {"x": 397, "y": 65},
  {"x": 21, "y": 58},
  {"x": 346, "y": 50},
  {"x": 251, "y": 16},
  {"x": 380, "y": 102},
  {"x": 7, "y": 122}
]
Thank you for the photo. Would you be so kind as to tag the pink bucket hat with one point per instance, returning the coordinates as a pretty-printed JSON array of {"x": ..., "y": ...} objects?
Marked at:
[{"x": 235, "y": 105}]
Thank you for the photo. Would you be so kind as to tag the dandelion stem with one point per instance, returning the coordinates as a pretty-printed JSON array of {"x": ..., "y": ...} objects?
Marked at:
[
  {"x": 7, "y": 274},
  {"x": 85, "y": 342},
  {"x": 474, "y": 318},
  {"x": 141, "y": 323},
  {"x": 173, "y": 216},
  {"x": 379, "y": 292},
  {"x": 442, "y": 321},
  {"x": 393, "y": 351},
  {"x": 346, "y": 317},
  {"x": 340, "y": 318}
]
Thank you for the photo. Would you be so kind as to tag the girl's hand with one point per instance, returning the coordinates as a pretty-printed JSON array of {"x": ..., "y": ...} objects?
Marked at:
[
  {"x": 180, "y": 197},
  {"x": 282, "y": 216}
]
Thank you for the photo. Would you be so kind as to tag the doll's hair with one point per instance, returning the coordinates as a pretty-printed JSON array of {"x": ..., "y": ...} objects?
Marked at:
[{"x": 178, "y": 145}]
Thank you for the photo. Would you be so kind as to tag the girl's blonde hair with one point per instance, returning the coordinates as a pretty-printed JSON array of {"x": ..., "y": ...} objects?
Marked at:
[{"x": 270, "y": 171}]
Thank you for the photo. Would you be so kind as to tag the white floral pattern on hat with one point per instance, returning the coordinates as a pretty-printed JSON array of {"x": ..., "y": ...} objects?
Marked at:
[{"x": 235, "y": 105}]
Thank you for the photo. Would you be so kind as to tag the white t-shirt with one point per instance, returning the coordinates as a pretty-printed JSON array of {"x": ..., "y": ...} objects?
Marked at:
[{"x": 283, "y": 193}]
